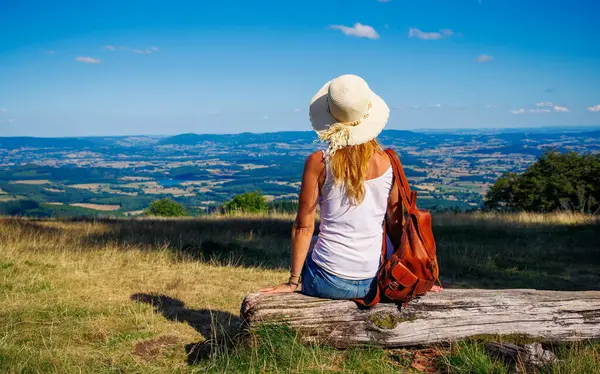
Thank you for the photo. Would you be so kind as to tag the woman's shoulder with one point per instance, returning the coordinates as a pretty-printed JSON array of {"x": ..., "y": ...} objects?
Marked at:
[
  {"x": 316, "y": 157},
  {"x": 382, "y": 159},
  {"x": 315, "y": 162}
]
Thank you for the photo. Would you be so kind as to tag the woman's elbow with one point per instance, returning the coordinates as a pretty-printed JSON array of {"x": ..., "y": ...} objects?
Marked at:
[{"x": 303, "y": 230}]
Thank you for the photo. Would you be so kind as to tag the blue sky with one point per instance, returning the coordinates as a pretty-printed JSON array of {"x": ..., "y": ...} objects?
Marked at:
[{"x": 73, "y": 68}]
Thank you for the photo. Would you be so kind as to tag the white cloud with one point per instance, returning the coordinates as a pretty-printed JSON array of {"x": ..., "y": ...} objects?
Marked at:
[
  {"x": 435, "y": 106},
  {"x": 490, "y": 106},
  {"x": 296, "y": 110},
  {"x": 435, "y": 35},
  {"x": 485, "y": 58},
  {"x": 359, "y": 30},
  {"x": 146, "y": 51},
  {"x": 142, "y": 52},
  {"x": 595, "y": 108},
  {"x": 10, "y": 120},
  {"x": 544, "y": 107},
  {"x": 88, "y": 60},
  {"x": 414, "y": 32},
  {"x": 117, "y": 48},
  {"x": 561, "y": 109},
  {"x": 51, "y": 52},
  {"x": 266, "y": 118},
  {"x": 3, "y": 110},
  {"x": 384, "y": 1}
]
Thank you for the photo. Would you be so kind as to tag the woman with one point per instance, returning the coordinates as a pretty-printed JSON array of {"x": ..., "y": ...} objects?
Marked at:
[{"x": 352, "y": 181}]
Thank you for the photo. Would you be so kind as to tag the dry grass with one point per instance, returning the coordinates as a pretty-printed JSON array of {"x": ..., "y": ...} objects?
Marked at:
[
  {"x": 494, "y": 219},
  {"x": 6, "y": 198},
  {"x": 135, "y": 295},
  {"x": 90, "y": 186},
  {"x": 101, "y": 207},
  {"x": 66, "y": 301},
  {"x": 134, "y": 178},
  {"x": 31, "y": 181},
  {"x": 54, "y": 190}
]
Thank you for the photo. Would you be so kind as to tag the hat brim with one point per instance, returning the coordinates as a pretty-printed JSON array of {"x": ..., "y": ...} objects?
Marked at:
[{"x": 367, "y": 130}]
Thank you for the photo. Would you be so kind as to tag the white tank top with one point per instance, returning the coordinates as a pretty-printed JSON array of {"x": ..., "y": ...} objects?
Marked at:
[{"x": 349, "y": 242}]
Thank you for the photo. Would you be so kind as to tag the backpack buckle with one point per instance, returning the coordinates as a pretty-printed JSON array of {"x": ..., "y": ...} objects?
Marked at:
[{"x": 393, "y": 285}]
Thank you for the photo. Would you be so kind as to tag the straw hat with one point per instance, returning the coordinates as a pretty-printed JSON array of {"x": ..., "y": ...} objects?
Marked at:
[{"x": 346, "y": 112}]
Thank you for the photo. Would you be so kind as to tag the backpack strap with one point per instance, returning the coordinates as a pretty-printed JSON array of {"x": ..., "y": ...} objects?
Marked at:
[{"x": 408, "y": 197}]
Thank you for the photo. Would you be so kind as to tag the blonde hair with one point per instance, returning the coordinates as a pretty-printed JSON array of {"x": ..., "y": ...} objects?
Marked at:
[{"x": 349, "y": 165}]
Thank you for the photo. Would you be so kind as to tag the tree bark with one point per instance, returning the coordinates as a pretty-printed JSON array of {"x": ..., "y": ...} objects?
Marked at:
[
  {"x": 454, "y": 314},
  {"x": 529, "y": 355}
]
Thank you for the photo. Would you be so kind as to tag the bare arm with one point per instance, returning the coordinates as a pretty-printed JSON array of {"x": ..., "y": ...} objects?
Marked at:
[{"x": 304, "y": 226}]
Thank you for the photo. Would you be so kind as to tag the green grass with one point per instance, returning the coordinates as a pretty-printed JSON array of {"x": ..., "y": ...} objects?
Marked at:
[
  {"x": 471, "y": 357},
  {"x": 276, "y": 349},
  {"x": 158, "y": 295}
]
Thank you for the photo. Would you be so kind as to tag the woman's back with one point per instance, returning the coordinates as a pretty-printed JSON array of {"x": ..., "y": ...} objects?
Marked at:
[
  {"x": 352, "y": 184},
  {"x": 350, "y": 238}
]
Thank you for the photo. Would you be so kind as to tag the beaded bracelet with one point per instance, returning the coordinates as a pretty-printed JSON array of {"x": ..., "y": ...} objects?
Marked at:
[{"x": 292, "y": 282}]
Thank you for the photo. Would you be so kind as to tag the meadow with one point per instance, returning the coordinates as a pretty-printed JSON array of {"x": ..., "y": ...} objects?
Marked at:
[{"x": 163, "y": 295}]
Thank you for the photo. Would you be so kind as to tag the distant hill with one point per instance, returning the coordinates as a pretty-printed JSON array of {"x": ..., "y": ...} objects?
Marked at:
[
  {"x": 31, "y": 142},
  {"x": 242, "y": 138},
  {"x": 296, "y": 138},
  {"x": 291, "y": 137}
]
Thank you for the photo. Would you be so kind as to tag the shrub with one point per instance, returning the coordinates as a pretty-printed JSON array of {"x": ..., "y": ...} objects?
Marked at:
[
  {"x": 249, "y": 202},
  {"x": 556, "y": 181},
  {"x": 165, "y": 208}
]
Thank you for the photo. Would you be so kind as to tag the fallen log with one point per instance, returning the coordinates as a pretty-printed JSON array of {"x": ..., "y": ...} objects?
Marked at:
[
  {"x": 545, "y": 316},
  {"x": 529, "y": 355}
]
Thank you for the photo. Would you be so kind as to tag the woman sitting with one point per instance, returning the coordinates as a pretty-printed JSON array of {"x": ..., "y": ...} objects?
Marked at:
[{"x": 352, "y": 182}]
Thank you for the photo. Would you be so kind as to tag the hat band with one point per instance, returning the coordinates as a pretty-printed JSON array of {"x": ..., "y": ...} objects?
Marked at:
[
  {"x": 338, "y": 134},
  {"x": 350, "y": 123}
]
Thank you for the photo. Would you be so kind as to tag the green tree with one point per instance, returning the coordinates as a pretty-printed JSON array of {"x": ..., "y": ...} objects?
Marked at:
[
  {"x": 20, "y": 208},
  {"x": 556, "y": 181},
  {"x": 165, "y": 208},
  {"x": 248, "y": 202}
]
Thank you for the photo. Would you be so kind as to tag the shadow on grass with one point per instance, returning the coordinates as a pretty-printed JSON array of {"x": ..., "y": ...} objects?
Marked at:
[
  {"x": 250, "y": 242},
  {"x": 472, "y": 253},
  {"x": 545, "y": 256},
  {"x": 219, "y": 329}
]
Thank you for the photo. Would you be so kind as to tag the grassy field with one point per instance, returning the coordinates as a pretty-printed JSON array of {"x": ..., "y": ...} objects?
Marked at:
[{"x": 162, "y": 296}]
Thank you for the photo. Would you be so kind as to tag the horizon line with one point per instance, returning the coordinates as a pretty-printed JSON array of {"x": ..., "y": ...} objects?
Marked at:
[{"x": 574, "y": 128}]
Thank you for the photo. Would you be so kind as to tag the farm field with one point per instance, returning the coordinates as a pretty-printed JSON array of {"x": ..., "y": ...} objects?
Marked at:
[
  {"x": 451, "y": 170},
  {"x": 145, "y": 295}
]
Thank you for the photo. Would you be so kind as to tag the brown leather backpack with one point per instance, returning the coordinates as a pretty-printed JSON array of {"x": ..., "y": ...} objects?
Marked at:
[{"x": 412, "y": 269}]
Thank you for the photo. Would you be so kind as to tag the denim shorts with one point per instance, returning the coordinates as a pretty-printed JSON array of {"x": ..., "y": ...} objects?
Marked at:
[{"x": 319, "y": 283}]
